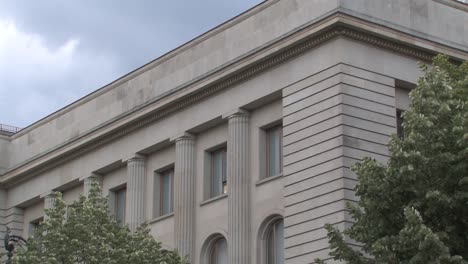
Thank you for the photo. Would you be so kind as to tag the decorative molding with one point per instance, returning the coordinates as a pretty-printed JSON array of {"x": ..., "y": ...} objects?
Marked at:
[
  {"x": 183, "y": 135},
  {"x": 386, "y": 44},
  {"x": 152, "y": 64},
  {"x": 269, "y": 179},
  {"x": 235, "y": 112},
  {"x": 133, "y": 157},
  {"x": 454, "y": 3},
  {"x": 47, "y": 194},
  {"x": 214, "y": 199},
  {"x": 161, "y": 218},
  {"x": 243, "y": 74}
]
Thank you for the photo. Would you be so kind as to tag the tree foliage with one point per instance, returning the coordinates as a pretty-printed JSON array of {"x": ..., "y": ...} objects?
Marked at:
[
  {"x": 86, "y": 233},
  {"x": 414, "y": 209}
]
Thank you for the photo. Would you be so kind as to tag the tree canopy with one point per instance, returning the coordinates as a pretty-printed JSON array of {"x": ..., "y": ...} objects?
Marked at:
[
  {"x": 414, "y": 209},
  {"x": 85, "y": 232}
]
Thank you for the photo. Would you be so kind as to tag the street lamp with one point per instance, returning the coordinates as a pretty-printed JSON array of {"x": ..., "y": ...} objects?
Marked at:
[{"x": 10, "y": 241}]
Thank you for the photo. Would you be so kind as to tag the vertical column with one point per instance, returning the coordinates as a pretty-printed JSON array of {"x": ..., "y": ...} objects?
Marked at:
[
  {"x": 136, "y": 186},
  {"x": 88, "y": 182},
  {"x": 238, "y": 188},
  {"x": 184, "y": 199},
  {"x": 49, "y": 201}
]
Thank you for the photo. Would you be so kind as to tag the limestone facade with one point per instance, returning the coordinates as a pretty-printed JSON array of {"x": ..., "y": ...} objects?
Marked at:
[{"x": 331, "y": 74}]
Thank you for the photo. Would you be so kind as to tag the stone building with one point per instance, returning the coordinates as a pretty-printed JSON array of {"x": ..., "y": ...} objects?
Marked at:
[{"x": 237, "y": 145}]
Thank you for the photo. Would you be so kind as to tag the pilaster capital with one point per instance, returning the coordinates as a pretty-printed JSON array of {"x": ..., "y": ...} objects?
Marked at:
[
  {"x": 48, "y": 194},
  {"x": 182, "y": 136},
  {"x": 134, "y": 157},
  {"x": 91, "y": 177},
  {"x": 235, "y": 113}
]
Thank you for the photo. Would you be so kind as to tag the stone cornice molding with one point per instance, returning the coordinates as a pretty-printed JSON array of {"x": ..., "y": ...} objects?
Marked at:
[
  {"x": 181, "y": 136},
  {"x": 235, "y": 112},
  {"x": 152, "y": 64},
  {"x": 134, "y": 157},
  {"x": 454, "y": 3},
  {"x": 48, "y": 194},
  {"x": 92, "y": 176},
  {"x": 282, "y": 50}
]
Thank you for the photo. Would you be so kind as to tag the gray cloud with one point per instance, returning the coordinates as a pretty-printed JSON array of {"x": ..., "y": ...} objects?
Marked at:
[{"x": 111, "y": 39}]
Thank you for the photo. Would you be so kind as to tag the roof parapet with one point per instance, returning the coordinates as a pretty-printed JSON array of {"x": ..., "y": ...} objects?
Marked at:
[{"x": 8, "y": 130}]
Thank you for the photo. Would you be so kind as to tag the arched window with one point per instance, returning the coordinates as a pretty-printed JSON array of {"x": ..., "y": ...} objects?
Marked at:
[
  {"x": 274, "y": 243},
  {"x": 218, "y": 252}
]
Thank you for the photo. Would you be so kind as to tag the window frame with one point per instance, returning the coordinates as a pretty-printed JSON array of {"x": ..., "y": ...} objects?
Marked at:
[
  {"x": 161, "y": 175},
  {"x": 263, "y": 235},
  {"x": 399, "y": 123},
  {"x": 223, "y": 180},
  {"x": 268, "y": 132},
  {"x": 115, "y": 203},
  {"x": 214, "y": 249},
  {"x": 34, "y": 225},
  {"x": 271, "y": 234}
]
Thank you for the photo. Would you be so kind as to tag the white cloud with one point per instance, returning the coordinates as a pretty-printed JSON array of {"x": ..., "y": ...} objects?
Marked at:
[
  {"x": 40, "y": 80},
  {"x": 49, "y": 59},
  {"x": 27, "y": 53}
]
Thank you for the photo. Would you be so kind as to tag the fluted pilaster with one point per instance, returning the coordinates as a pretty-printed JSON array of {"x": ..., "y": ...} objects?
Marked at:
[
  {"x": 49, "y": 201},
  {"x": 136, "y": 185},
  {"x": 88, "y": 182},
  {"x": 238, "y": 188},
  {"x": 184, "y": 199}
]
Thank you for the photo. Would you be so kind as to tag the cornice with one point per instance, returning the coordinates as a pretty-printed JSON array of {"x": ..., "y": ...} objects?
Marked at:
[
  {"x": 280, "y": 51},
  {"x": 150, "y": 65},
  {"x": 455, "y": 4},
  {"x": 5, "y": 137},
  {"x": 387, "y": 44}
]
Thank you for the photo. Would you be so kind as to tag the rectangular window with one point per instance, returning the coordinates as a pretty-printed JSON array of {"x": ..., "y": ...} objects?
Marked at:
[
  {"x": 274, "y": 147},
  {"x": 218, "y": 182},
  {"x": 119, "y": 205},
  {"x": 33, "y": 226},
  {"x": 166, "y": 190},
  {"x": 399, "y": 118}
]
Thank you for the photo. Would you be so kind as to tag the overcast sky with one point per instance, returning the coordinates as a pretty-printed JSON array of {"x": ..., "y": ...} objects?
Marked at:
[{"x": 53, "y": 52}]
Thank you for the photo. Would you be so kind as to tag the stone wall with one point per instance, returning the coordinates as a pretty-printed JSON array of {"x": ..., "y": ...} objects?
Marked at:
[{"x": 331, "y": 120}]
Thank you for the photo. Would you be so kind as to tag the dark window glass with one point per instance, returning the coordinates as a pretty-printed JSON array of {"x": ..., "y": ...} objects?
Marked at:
[
  {"x": 33, "y": 227},
  {"x": 166, "y": 192},
  {"x": 274, "y": 151},
  {"x": 218, "y": 173},
  {"x": 120, "y": 197},
  {"x": 399, "y": 119},
  {"x": 275, "y": 244},
  {"x": 218, "y": 252}
]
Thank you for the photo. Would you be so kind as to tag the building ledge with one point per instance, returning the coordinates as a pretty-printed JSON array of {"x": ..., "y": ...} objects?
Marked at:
[
  {"x": 214, "y": 199},
  {"x": 269, "y": 179},
  {"x": 160, "y": 218},
  {"x": 455, "y": 4}
]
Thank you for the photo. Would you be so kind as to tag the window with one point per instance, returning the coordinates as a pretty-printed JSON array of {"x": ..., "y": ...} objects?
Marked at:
[
  {"x": 165, "y": 192},
  {"x": 274, "y": 243},
  {"x": 119, "y": 205},
  {"x": 274, "y": 147},
  {"x": 218, "y": 173},
  {"x": 399, "y": 118},
  {"x": 33, "y": 227},
  {"x": 218, "y": 252}
]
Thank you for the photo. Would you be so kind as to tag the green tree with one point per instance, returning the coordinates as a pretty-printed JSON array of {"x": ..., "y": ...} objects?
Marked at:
[
  {"x": 414, "y": 209},
  {"x": 86, "y": 233}
]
